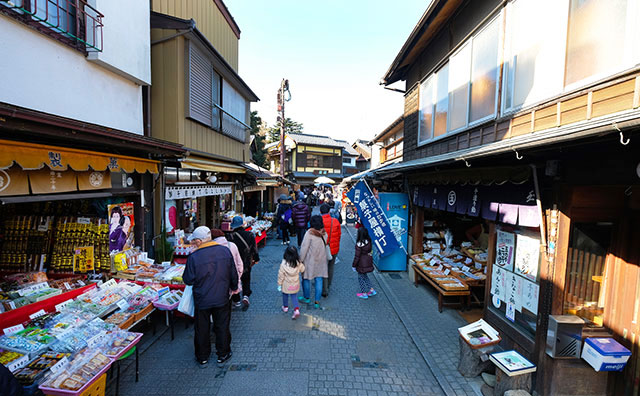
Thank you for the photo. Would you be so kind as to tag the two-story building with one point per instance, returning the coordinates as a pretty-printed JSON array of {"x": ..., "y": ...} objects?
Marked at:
[
  {"x": 199, "y": 100},
  {"x": 308, "y": 157},
  {"x": 349, "y": 159},
  {"x": 363, "y": 162},
  {"x": 525, "y": 114},
  {"x": 73, "y": 125},
  {"x": 387, "y": 146}
]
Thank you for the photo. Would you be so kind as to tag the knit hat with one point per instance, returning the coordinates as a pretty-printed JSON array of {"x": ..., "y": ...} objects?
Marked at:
[{"x": 202, "y": 233}]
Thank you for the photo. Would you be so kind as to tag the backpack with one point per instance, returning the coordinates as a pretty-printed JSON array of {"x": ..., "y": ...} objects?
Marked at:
[{"x": 286, "y": 216}]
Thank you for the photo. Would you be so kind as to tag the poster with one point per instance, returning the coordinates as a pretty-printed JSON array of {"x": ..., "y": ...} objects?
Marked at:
[
  {"x": 498, "y": 284},
  {"x": 83, "y": 260},
  {"x": 530, "y": 293},
  {"x": 505, "y": 250},
  {"x": 514, "y": 290},
  {"x": 527, "y": 257},
  {"x": 120, "y": 226}
]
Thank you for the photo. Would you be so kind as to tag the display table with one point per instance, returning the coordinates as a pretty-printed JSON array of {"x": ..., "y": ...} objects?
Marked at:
[
  {"x": 262, "y": 238},
  {"x": 419, "y": 274},
  {"x": 20, "y": 315}
]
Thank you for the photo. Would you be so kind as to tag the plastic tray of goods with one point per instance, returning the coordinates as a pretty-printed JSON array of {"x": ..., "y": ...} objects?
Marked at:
[
  {"x": 129, "y": 343},
  {"x": 166, "y": 307},
  {"x": 64, "y": 392}
]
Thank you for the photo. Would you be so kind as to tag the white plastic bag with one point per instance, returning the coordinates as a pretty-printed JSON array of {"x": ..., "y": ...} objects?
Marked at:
[{"x": 187, "y": 305}]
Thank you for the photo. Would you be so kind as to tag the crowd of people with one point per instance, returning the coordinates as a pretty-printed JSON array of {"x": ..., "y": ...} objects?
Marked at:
[{"x": 219, "y": 270}]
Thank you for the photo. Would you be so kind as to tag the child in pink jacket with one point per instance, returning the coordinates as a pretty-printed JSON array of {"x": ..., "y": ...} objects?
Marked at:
[{"x": 289, "y": 280}]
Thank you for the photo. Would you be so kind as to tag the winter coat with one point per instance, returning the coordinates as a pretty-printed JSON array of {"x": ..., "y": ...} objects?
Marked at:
[
  {"x": 282, "y": 210},
  {"x": 236, "y": 258},
  {"x": 289, "y": 277},
  {"x": 313, "y": 254},
  {"x": 334, "y": 232},
  {"x": 300, "y": 214},
  {"x": 363, "y": 261},
  {"x": 246, "y": 243},
  {"x": 212, "y": 273}
]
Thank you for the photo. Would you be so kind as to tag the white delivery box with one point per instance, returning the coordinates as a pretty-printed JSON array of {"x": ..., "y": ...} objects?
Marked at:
[{"x": 605, "y": 354}]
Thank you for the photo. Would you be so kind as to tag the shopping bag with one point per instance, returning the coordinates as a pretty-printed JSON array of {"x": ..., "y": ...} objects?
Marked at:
[{"x": 186, "y": 305}]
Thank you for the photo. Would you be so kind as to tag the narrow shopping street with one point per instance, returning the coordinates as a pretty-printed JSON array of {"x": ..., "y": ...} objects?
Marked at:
[{"x": 378, "y": 346}]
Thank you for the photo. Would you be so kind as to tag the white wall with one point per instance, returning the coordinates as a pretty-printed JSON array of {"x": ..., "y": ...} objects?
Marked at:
[
  {"x": 40, "y": 73},
  {"x": 375, "y": 155},
  {"x": 126, "y": 48}
]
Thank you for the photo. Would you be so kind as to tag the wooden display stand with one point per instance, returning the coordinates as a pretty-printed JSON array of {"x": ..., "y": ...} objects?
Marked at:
[
  {"x": 504, "y": 382},
  {"x": 442, "y": 292}
]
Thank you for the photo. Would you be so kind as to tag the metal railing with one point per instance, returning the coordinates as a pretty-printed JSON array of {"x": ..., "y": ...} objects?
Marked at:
[
  {"x": 75, "y": 21},
  {"x": 231, "y": 126}
]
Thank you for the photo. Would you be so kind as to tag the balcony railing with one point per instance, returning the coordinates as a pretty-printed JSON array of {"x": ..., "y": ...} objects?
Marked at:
[
  {"x": 231, "y": 126},
  {"x": 74, "y": 22}
]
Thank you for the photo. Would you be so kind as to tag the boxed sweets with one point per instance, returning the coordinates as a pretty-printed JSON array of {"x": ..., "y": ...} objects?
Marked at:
[{"x": 82, "y": 369}]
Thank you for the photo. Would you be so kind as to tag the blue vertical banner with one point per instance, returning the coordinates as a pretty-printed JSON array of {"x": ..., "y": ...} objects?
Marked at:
[
  {"x": 396, "y": 208},
  {"x": 373, "y": 218}
]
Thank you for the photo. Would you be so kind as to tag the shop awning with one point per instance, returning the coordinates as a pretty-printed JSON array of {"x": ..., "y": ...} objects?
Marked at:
[
  {"x": 205, "y": 164},
  {"x": 268, "y": 183},
  {"x": 30, "y": 156}
]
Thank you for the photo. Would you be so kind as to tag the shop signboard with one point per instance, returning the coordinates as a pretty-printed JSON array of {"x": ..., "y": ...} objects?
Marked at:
[
  {"x": 527, "y": 257},
  {"x": 396, "y": 208},
  {"x": 121, "y": 224},
  {"x": 83, "y": 259},
  {"x": 375, "y": 220},
  {"x": 505, "y": 250}
]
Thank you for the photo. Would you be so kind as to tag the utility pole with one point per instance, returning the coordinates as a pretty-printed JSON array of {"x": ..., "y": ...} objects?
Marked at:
[{"x": 284, "y": 87}]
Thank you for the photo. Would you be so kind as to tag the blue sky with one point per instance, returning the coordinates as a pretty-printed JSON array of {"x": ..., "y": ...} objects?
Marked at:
[{"x": 334, "y": 54}]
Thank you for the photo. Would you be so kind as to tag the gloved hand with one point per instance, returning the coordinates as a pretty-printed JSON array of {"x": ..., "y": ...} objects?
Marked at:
[
  {"x": 354, "y": 269},
  {"x": 279, "y": 288}
]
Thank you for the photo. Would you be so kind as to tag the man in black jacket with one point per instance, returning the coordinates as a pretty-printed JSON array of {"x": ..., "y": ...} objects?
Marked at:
[
  {"x": 246, "y": 243},
  {"x": 212, "y": 273}
]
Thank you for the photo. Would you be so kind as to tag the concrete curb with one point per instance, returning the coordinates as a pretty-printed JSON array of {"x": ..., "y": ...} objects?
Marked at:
[{"x": 426, "y": 356}]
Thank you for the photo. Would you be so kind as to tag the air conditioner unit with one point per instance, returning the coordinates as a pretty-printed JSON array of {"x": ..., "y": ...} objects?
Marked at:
[{"x": 564, "y": 336}]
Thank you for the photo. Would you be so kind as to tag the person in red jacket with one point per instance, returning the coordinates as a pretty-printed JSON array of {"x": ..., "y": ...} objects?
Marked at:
[{"x": 334, "y": 232}]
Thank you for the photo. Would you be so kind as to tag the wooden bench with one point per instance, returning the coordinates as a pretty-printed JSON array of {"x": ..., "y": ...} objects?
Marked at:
[{"x": 442, "y": 292}]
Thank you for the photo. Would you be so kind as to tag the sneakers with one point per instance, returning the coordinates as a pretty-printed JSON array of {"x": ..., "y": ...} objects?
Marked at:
[
  {"x": 372, "y": 292},
  {"x": 237, "y": 304},
  {"x": 224, "y": 358},
  {"x": 245, "y": 303},
  {"x": 363, "y": 295},
  {"x": 203, "y": 363},
  {"x": 285, "y": 309},
  {"x": 316, "y": 305},
  {"x": 296, "y": 313},
  {"x": 304, "y": 300}
]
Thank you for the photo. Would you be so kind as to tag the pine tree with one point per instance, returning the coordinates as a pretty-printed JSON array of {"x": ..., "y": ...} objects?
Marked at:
[{"x": 260, "y": 155}]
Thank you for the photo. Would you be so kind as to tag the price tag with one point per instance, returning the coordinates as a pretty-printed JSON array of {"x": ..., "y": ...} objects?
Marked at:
[
  {"x": 447, "y": 271},
  {"x": 122, "y": 304},
  {"x": 485, "y": 270},
  {"x": 81, "y": 283},
  {"x": 84, "y": 220},
  {"x": 61, "y": 363},
  {"x": 62, "y": 305},
  {"x": 37, "y": 314},
  {"x": 440, "y": 267},
  {"x": 465, "y": 268},
  {"x": 96, "y": 340},
  {"x": 13, "y": 329},
  {"x": 478, "y": 266},
  {"x": 67, "y": 286},
  {"x": 109, "y": 284}
]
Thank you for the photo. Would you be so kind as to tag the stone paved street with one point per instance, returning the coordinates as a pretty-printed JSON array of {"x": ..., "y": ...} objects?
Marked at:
[{"x": 395, "y": 343}]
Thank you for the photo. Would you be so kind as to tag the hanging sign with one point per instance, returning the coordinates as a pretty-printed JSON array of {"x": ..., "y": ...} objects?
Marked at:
[
  {"x": 527, "y": 257},
  {"x": 514, "y": 290},
  {"x": 373, "y": 219},
  {"x": 83, "y": 259},
  {"x": 505, "y": 250},
  {"x": 530, "y": 292},
  {"x": 185, "y": 192},
  {"x": 498, "y": 283}
]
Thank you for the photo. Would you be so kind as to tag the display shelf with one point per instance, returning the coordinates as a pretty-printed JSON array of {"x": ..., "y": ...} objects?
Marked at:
[{"x": 140, "y": 320}]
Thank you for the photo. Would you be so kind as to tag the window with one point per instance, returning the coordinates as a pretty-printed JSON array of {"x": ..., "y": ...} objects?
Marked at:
[
  {"x": 459, "y": 87},
  {"x": 598, "y": 38},
  {"x": 425, "y": 126},
  {"x": 212, "y": 100},
  {"x": 553, "y": 46},
  {"x": 346, "y": 160},
  {"x": 465, "y": 89},
  {"x": 586, "y": 263},
  {"x": 484, "y": 73}
]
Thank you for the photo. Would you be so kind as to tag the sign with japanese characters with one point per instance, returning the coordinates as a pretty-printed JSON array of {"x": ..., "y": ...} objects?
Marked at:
[
  {"x": 530, "y": 293},
  {"x": 505, "y": 250},
  {"x": 527, "y": 257},
  {"x": 514, "y": 290},
  {"x": 498, "y": 283},
  {"x": 373, "y": 219}
]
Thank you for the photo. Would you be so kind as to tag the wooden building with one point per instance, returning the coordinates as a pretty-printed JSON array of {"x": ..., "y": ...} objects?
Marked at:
[
  {"x": 527, "y": 111},
  {"x": 308, "y": 157},
  {"x": 199, "y": 100}
]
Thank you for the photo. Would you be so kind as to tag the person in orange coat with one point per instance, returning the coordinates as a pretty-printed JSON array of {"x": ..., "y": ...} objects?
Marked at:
[{"x": 334, "y": 232}]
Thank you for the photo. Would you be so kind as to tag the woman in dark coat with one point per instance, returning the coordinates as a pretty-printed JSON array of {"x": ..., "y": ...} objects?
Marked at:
[
  {"x": 363, "y": 263},
  {"x": 284, "y": 217}
]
